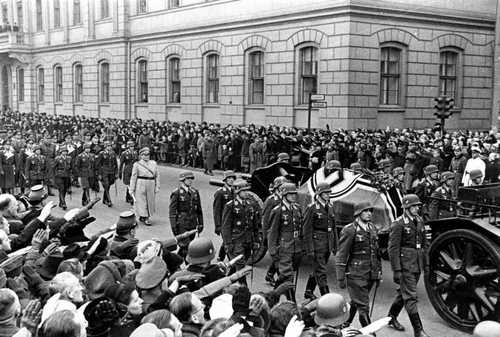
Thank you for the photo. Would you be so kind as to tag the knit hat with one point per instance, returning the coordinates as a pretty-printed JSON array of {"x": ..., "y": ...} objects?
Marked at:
[
  {"x": 105, "y": 274},
  {"x": 222, "y": 307},
  {"x": 8, "y": 300},
  {"x": 120, "y": 293},
  {"x": 101, "y": 314},
  {"x": 241, "y": 300}
]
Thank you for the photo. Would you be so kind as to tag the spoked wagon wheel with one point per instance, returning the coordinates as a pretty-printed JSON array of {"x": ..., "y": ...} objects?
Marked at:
[
  {"x": 463, "y": 284},
  {"x": 260, "y": 245}
]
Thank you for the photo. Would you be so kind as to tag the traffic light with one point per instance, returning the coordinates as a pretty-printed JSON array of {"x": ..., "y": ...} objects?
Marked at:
[{"x": 443, "y": 107}]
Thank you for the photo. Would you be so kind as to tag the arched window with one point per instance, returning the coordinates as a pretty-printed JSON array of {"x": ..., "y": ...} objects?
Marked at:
[
  {"x": 174, "y": 79},
  {"x": 78, "y": 82},
  {"x": 104, "y": 82},
  {"x": 212, "y": 78},
  {"x": 58, "y": 84},
  {"x": 142, "y": 81},
  {"x": 256, "y": 77},
  {"x": 20, "y": 84},
  {"x": 308, "y": 72},
  {"x": 40, "y": 79}
]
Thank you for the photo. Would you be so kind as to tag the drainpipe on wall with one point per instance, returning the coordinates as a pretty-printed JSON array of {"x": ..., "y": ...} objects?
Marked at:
[
  {"x": 496, "y": 76},
  {"x": 127, "y": 80}
]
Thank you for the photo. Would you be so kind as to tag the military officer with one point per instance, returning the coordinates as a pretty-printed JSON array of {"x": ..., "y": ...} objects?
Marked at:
[
  {"x": 85, "y": 167},
  {"x": 185, "y": 210},
  {"x": 272, "y": 201},
  {"x": 240, "y": 224},
  {"x": 425, "y": 187},
  {"x": 408, "y": 245},
  {"x": 107, "y": 166},
  {"x": 48, "y": 147},
  {"x": 127, "y": 160},
  {"x": 358, "y": 261},
  {"x": 7, "y": 169},
  {"x": 285, "y": 238},
  {"x": 36, "y": 167},
  {"x": 221, "y": 197},
  {"x": 398, "y": 173},
  {"x": 440, "y": 208},
  {"x": 457, "y": 166},
  {"x": 320, "y": 239},
  {"x": 62, "y": 172}
]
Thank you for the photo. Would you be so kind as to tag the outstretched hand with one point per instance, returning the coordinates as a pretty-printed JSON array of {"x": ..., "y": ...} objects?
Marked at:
[{"x": 294, "y": 327}]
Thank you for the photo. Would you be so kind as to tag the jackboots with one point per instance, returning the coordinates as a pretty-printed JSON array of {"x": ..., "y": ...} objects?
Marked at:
[
  {"x": 417, "y": 325},
  {"x": 310, "y": 286},
  {"x": 394, "y": 311}
]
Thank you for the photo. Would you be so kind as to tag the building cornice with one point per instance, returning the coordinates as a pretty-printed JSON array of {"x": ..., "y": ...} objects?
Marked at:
[{"x": 375, "y": 10}]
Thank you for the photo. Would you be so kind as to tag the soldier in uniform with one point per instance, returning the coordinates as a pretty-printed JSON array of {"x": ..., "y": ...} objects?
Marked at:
[
  {"x": 221, "y": 197},
  {"x": 408, "y": 245},
  {"x": 127, "y": 160},
  {"x": 48, "y": 147},
  {"x": 62, "y": 172},
  {"x": 425, "y": 187},
  {"x": 398, "y": 173},
  {"x": 185, "y": 210},
  {"x": 285, "y": 238},
  {"x": 457, "y": 166},
  {"x": 272, "y": 201},
  {"x": 358, "y": 259},
  {"x": 320, "y": 239},
  {"x": 85, "y": 167},
  {"x": 36, "y": 167},
  {"x": 439, "y": 209},
  {"x": 107, "y": 166},
  {"x": 240, "y": 224}
]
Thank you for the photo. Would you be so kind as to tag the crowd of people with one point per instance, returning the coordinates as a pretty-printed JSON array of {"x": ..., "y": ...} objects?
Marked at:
[{"x": 120, "y": 286}]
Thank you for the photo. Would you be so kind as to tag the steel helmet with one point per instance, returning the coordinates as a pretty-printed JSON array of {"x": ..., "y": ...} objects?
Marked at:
[
  {"x": 474, "y": 174},
  {"x": 411, "y": 200},
  {"x": 186, "y": 175},
  {"x": 333, "y": 164},
  {"x": 228, "y": 174},
  {"x": 283, "y": 156},
  {"x": 355, "y": 166},
  {"x": 384, "y": 163},
  {"x": 447, "y": 175},
  {"x": 397, "y": 171},
  {"x": 289, "y": 188},
  {"x": 361, "y": 207},
  {"x": 240, "y": 185},
  {"x": 200, "y": 250},
  {"x": 429, "y": 169},
  {"x": 332, "y": 309},
  {"x": 323, "y": 188}
]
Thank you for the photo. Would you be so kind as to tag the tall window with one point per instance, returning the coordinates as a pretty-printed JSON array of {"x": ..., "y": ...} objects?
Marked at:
[
  {"x": 5, "y": 13},
  {"x": 142, "y": 6},
  {"x": 256, "y": 77},
  {"x": 77, "y": 19},
  {"x": 39, "y": 16},
  {"x": 212, "y": 79},
  {"x": 390, "y": 74},
  {"x": 57, "y": 14},
  {"x": 78, "y": 82},
  {"x": 308, "y": 81},
  {"x": 173, "y": 3},
  {"x": 41, "y": 84},
  {"x": 58, "y": 84},
  {"x": 448, "y": 62},
  {"x": 142, "y": 77},
  {"x": 20, "y": 17},
  {"x": 104, "y": 82},
  {"x": 20, "y": 85},
  {"x": 104, "y": 9},
  {"x": 174, "y": 80}
]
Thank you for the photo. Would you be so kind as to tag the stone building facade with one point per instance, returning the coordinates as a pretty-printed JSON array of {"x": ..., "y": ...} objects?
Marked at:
[{"x": 379, "y": 63}]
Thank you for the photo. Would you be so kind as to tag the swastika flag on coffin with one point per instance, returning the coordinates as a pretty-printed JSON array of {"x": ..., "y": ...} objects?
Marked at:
[{"x": 349, "y": 188}]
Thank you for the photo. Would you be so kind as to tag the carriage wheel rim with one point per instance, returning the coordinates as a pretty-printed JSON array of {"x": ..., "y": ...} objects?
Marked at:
[{"x": 465, "y": 279}]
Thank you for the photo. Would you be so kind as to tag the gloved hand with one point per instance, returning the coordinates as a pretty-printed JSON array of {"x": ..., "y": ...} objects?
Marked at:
[
  {"x": 397, "y": 277},
  {"x": 342, "y": 283}
]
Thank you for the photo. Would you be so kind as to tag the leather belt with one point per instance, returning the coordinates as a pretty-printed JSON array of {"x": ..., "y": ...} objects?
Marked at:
[{"x": 146, "y": 178}]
